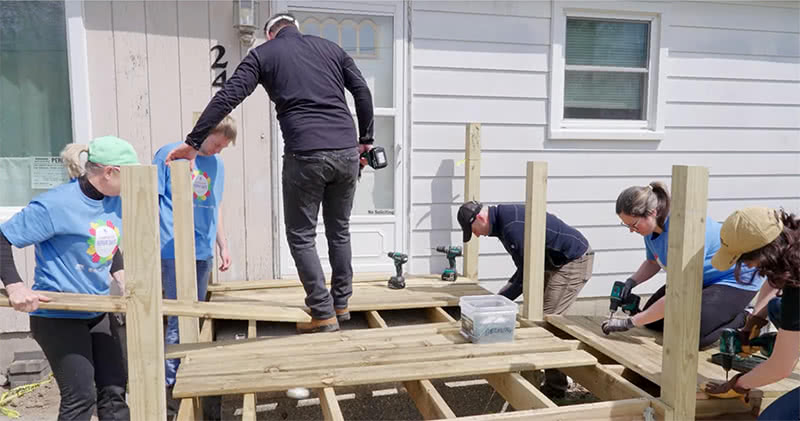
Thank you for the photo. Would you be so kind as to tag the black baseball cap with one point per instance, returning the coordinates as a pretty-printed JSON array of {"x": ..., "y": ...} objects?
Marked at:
[{"x": 466, "y": 216}]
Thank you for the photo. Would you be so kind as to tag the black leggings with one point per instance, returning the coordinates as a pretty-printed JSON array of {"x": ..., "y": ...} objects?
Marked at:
[
  {"x": 722, "y": 307},
  {"x": 86, "y": 359}
]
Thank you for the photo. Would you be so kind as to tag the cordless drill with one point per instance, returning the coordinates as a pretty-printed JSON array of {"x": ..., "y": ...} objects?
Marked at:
[
  {"x": 629, "y": 305},
  {"x": 732, "y": 348},
  {"x": 449, "y": 274},
  {"x": 398, "y": 281}
]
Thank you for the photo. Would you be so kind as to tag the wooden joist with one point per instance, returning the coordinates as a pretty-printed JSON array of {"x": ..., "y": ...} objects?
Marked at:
[
  {"x": 604, "y": 383},
  {"x": 429, "y": 402},
  {"x": 249, "y": 400},
  {"x": 351, "y": 376},
  {"x": 330, "y": 405},
  {"x": 519, "y": 392},
  {"x": 624, "y": 410},
  {"x": 232, "y": 311}
]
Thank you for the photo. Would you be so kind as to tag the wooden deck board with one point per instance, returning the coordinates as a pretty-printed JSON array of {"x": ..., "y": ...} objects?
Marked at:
[
  {"x": 351, "y": 376},
  {"x": 640, "y": 350}
]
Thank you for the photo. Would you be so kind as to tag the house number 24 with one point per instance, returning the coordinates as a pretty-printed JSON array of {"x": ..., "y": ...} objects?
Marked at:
[{"x": 218, "y": 64}]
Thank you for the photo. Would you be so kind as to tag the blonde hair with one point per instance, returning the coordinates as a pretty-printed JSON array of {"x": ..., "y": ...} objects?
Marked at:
[
  {"x": 638, "y": 201},
  {"x": 227, "y": 127},
  {"x": 71, "y": 158}
]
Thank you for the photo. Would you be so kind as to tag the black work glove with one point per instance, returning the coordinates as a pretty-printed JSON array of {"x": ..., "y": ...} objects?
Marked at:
[
  {"x": 617, "y": 325},
  {"x": 629, "y": 284}
]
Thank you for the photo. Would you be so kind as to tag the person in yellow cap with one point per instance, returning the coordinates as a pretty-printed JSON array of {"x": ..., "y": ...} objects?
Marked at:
[
  {"x": 76, "y": 229},
  {"x": 768, "y": 240}
]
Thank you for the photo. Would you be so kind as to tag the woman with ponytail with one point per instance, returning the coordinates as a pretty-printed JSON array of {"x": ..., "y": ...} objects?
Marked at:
[
  {"x": 645, "y": 210},
  {"x": 76, "y": 229},
  {"x": 769, "y": 241}
]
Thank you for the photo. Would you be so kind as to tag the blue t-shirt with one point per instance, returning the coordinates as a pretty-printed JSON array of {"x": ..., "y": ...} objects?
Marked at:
[
  {"x": 657, "y": 246},
  {"x": 76, "y": 238},
  {"x": 208, "y": 182}
]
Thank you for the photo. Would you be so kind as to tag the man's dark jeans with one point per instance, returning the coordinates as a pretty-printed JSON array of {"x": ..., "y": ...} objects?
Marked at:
[{"x": 326, "y": 177}]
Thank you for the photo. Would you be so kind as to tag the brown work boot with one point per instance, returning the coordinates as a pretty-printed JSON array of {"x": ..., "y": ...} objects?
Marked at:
[
  {"x": 319, "y": 325},
  {"x": 342, "y": 314}
]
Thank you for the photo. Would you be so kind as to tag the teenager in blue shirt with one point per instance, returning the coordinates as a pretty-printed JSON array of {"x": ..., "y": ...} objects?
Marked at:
[
  {"x": 208, "y": 182},
  {"x": 645, "y": 210},
  {"x": 76, "y": 229}
]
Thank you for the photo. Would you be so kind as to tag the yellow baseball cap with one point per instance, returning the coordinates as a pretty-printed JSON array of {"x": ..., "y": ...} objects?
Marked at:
[{"x": 744, "y": 231}]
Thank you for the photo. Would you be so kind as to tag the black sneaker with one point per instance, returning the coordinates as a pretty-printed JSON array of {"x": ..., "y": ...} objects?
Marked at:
[{"x": 553, "y": 393}]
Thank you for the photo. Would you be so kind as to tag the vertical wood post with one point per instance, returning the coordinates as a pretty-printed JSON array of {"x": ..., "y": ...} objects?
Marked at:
[
  {"x": 685, "y": 258},
  {"x": 183, "y": 226},
  {"x": 472, "y": 191},
  {"x": 535, "y": 220},
  {"x": 145, "y": 330}
]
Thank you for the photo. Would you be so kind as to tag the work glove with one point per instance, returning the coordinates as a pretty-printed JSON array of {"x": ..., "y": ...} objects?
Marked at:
[
  {"x": 752, "y": 327},
  {"x": 727, "y": 390},
  {"x": 617, "y": 325},
  {"x": 629, "y": 284}
]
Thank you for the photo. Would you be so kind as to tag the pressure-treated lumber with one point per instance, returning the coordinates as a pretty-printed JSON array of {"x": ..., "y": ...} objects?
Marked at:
[
  {"x": 624, "y": 410},
  {"x": 232, "y": 311},
  {"x": 249, "y": 400},
  {"x": 638, "y": 350},
  {"x": 374, "y": 320},
  {"x": 437, "y": 314},
  {"x": 519, "y": 392},
  {"x": 275, "y": 361},
  {"x": 472, "y": 191},
  {"x": 604, "y": 383},
  {"x": 358, "y": 278},
  {"x": 685, "y": 259},
  {"x": 330, "y": 406},
  {"x": 351, "y": 376},
  {"x": 144, "y": 326},
  {"x": 535, "y": 228},
  {"x": 190, "y": 409},
  {"x": 183, "y": 226},
  {"x": 429, "y": 402},
  {"x": 207, "y": 331},
  {"x": 366, "y": 296}
]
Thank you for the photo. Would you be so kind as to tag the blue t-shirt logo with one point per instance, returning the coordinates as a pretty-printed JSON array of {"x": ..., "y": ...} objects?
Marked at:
[
  {"x": 103, "y": 242},
  {"x": 201, "y": 184}
]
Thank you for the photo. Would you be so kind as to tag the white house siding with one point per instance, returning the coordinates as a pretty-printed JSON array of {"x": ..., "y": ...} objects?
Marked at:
[
  {"x": 732, "y": 104},
  {"x": 149, "y": 72}
]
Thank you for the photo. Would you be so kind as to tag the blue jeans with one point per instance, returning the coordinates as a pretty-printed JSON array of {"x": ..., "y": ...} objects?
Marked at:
[{"x": 170, "y": 291}]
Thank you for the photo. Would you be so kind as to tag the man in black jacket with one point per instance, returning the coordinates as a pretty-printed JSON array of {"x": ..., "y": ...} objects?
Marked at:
[
  {"x": 305, "y": 76},
  {"x": 568, "y": 261}
]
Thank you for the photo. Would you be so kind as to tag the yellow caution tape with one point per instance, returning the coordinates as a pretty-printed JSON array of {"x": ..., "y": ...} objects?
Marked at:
[{"x": 17, "y": 392}]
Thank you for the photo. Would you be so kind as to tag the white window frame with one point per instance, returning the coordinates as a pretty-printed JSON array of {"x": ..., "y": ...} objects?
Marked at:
[
  {"x": 603, "y": 129},
  {"x": 78, "y": 64}
]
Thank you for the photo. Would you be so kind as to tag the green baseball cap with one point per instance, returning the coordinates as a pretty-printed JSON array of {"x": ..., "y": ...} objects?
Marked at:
[{"x": 111, "y": 150}]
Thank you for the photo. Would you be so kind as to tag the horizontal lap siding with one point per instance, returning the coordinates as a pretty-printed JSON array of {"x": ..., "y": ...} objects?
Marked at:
[{"x": 732, "y": 104}]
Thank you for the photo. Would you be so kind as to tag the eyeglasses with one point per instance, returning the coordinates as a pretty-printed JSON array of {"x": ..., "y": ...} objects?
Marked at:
[{"x": 633, "y": 225}]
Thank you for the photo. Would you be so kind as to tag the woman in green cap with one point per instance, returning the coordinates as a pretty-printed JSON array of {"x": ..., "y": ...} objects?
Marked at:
[
  {"x": 768, "y": 240},
  {"x": 76, "y": 229}
]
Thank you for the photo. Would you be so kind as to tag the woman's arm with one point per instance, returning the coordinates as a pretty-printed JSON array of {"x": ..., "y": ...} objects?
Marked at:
[
  {"x": 765, "y": 294},
  {"x": 222, "y": 243},
  {"x": 654, "y": 313},
  {"x": 646, "y": 271},
  {"x": 779, "y": 365}
]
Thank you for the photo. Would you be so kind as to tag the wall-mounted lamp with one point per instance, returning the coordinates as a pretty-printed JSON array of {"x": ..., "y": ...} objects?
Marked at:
[{"x": 244, "y": 19}]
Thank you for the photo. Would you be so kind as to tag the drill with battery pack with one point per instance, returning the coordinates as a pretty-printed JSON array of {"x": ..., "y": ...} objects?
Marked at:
[
  {"x": 738, "y": 351},
  {"x": 629, "y": 304},
  {"x": 450, "y": 274}
]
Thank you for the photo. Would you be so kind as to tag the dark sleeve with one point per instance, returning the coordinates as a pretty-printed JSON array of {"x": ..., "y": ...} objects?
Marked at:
[
  {"x": 790, "y": 309},
  {"x": 240, "y": 85},
  {"x": 513, "y": 288},
  {"x": 8, "y": 270},
  {"x": 357, "y": 86},
  {"x": 117, "y": 263}
]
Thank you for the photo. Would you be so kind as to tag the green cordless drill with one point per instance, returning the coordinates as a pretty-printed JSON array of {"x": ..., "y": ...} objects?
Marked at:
[
  {"x": 630, "y": 305},
  {"x": 398, "y": 281},
  {"x": 449, "y": 274},
  {"x": 733, "y": 353}
]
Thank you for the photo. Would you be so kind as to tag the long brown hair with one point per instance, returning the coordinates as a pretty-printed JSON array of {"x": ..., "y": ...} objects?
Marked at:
[
  {"x": 778, "y": 261},
  {"x": 638, "y": 201}
]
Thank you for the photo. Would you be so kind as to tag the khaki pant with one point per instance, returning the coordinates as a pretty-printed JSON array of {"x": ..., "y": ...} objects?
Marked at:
[{"x": 561, "y": 288}]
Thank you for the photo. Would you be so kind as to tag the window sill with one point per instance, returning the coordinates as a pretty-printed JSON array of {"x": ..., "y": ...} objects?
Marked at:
[{"x": 605, "y": 134}]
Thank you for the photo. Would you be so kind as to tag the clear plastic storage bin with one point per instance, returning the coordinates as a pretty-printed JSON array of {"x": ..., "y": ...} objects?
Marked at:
[{"x": 488, "y": 318}]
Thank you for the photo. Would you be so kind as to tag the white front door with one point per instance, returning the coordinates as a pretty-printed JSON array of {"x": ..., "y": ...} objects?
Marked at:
[{"x": 373, "y": 35}]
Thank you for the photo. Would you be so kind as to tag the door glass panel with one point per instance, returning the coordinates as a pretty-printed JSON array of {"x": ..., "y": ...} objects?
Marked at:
[
  {"x": 35, "y": 113},
  {"x": 374, "y": 48},
  {"x": 375, "y": 190}
]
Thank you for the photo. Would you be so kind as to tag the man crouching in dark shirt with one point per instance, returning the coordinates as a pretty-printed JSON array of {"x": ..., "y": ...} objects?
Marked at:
[{"x": 568, "y": 261}]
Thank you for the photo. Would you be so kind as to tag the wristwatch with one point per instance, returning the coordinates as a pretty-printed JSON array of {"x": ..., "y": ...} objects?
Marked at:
[{"x": 366, "y": 140}]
